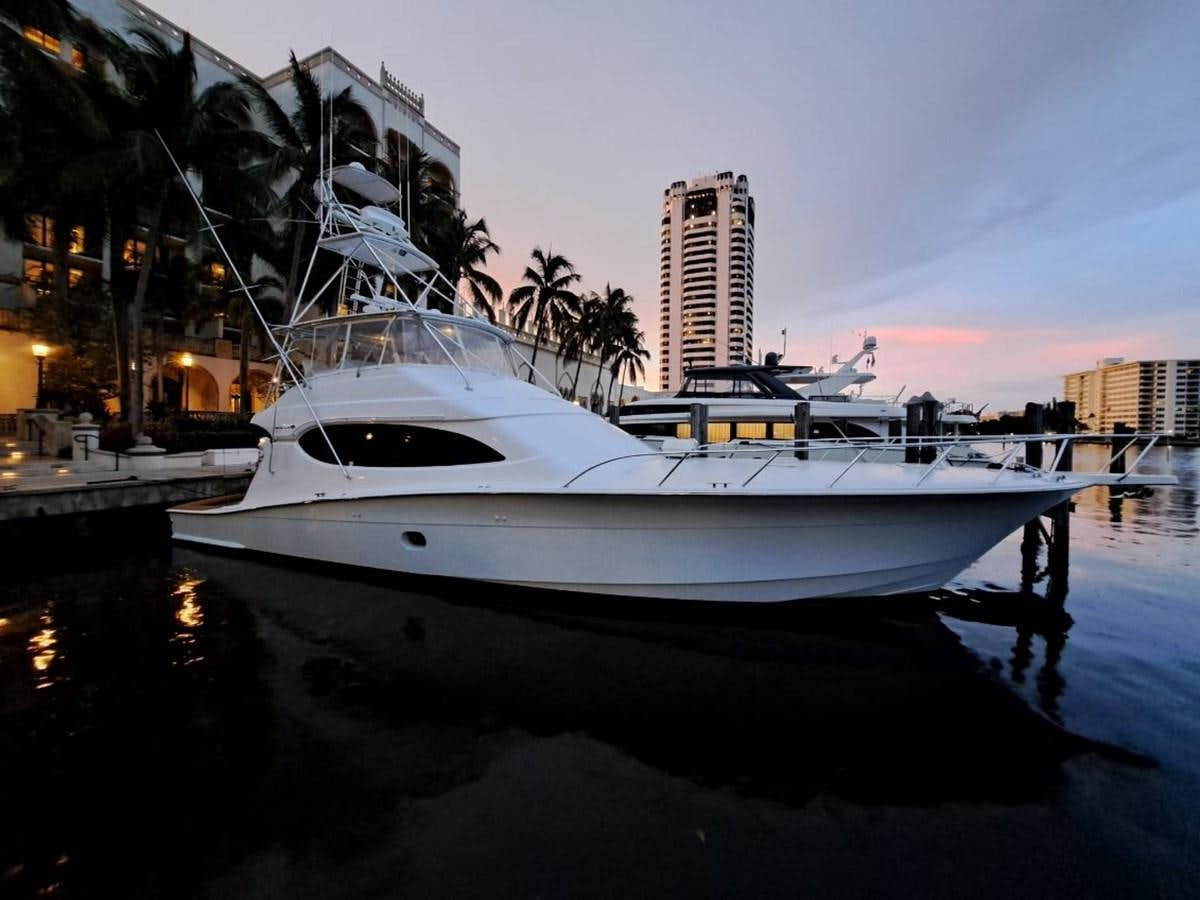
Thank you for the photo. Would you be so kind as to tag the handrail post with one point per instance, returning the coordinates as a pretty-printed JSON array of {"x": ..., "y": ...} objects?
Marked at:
[
  {"x": 770, "y": 460},
  {"x": 678, "y": 463},
  {"x": 839, "y": 475},
  {"x": 1116, "y": 463},
  {"x": 1153, "y": 440}
]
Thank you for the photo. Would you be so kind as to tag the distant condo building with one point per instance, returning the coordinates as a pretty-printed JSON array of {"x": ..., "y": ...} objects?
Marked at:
[
  {"x": 706, "y": 275},
  {"x": 1161, "y": 395}
]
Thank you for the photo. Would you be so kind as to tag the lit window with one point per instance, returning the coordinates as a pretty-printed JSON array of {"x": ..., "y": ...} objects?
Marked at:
[
  {"x": 39, "y": 38},
  {"x": 39, "y": 229},
  {"x": 40, "y": 275},
  {"x": 216, "y": 272},
  {"x": 133, "y": 252},
  {"x": 78, "y": 58}
]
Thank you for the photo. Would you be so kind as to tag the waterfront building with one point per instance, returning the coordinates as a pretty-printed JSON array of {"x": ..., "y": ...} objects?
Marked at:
[
  {"x": 706, "y": 275},
  {"x": 26, "y": 267},
  {"x": 1161, "y": 395}
]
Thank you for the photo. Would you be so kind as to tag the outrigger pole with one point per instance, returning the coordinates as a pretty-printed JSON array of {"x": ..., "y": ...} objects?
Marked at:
[{"x": 287, "y": 363}]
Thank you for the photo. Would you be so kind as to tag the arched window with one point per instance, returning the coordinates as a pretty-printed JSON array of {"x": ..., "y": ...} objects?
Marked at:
[{"x": 392, "y": 446}]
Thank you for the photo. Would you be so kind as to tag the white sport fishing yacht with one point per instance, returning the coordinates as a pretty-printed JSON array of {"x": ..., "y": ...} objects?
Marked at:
[{"x": 414, "y": 441}]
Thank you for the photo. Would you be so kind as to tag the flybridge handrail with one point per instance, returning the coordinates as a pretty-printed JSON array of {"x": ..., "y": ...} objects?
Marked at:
[{"x": 881, "y": 445}]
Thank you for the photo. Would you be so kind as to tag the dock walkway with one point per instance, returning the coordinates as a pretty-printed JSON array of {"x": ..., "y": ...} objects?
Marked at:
[{"x": 37, "y": 487}]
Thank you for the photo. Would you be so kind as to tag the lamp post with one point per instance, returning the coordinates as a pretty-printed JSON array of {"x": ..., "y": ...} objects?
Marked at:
[
  {"x": 40, "y": 352},
  {"x": 186, "y": 361}
]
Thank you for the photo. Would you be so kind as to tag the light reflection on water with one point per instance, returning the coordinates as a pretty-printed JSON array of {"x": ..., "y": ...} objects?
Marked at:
[{"x": 189, "y": 616}]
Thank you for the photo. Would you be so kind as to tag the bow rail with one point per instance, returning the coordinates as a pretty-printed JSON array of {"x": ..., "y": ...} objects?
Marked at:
[{"x": 877, "y": 450}]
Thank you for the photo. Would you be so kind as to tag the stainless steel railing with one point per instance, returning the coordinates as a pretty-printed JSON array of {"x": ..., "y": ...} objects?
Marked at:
[{"x": 872, "y": 450}]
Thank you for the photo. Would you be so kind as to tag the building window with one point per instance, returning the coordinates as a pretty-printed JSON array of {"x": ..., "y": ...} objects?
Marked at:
[
  {"x": 40, "y": 276},
  {"x": 39, "y": 38},
  {"x": 79, "y": 58},
  {"x": 133, "y": 253},
  {"x": 39, "y": 229},
  {"x": 215, "y": 272},
  {"x": 700, "y": 203}
]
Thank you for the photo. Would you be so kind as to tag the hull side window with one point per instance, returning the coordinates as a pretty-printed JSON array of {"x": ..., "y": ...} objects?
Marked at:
[{"x": 395, "y": 446}]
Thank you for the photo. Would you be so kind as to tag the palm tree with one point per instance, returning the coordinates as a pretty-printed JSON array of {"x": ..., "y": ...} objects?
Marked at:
[
  {"x": 629, "y": 360},
  {"x": 546, "y": 296},
  {"x": 427, "y": 205},
  {"x": 578, "y": 337},
  {"x": 461, "y": 249},
  {"x": 241, "y": 202},
  {"x": 297, "y": 152},
  {"x": 614, "y": 320},
  {"x": 160, "y": 84}
]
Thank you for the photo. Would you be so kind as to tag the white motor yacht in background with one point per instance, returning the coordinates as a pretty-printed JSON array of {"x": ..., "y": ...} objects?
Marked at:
[
  {"x": 754, "y": 403},
  {"x": 414, "y": 441}
]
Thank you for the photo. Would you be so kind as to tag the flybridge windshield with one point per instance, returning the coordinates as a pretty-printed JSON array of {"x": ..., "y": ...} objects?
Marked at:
[{"x": 398, "y": 339}]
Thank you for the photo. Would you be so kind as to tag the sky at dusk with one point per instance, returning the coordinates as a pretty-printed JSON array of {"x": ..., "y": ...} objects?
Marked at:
[{"x": 1002, "y": 192}]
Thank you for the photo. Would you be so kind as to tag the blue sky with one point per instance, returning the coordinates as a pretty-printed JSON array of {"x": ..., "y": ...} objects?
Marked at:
[{"x": 1003, "y": 192}]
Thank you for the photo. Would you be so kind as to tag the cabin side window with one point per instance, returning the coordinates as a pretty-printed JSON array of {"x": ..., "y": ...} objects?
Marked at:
[{"x": 396, "y": 446}]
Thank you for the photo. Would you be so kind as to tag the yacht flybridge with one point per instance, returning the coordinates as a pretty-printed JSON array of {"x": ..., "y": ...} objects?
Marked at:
[{"x": 414, "y": 440}]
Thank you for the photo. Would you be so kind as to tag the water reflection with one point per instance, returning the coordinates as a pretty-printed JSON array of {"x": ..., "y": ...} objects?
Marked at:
[
  {"x": 154, "y": 688},
  {"x": 1172, "y": 512},
  {"x": 190, "y": 617},
  {"x": 1131, "y": 525}
]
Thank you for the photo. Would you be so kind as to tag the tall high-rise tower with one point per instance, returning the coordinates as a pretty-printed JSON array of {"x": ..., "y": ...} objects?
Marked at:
[{"x": 706, "y": 275}]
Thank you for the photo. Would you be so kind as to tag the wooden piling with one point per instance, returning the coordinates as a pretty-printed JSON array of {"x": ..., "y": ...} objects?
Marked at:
[
  {"x": 1034, "y": 424},
  {"x": 1117, "y": 465},
  {"x": 802, "y": 417},
  {"x": 931, "y": 425},
  {"x": 698, "y": 416},
  {"x": 912, "y": 429},
  {"x": 1066, "y": 425}
]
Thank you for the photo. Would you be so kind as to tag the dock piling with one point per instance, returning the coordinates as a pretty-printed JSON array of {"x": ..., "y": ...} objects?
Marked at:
[
  {"x": 698, "y": 417},
  {"x": 802, "y": 417},
  {"x": 1117, "y": 465},
  {"x": 1066, "y": 425},
  {"x": 1035, "y": 423},
  {"x": 912, "y": 429}
]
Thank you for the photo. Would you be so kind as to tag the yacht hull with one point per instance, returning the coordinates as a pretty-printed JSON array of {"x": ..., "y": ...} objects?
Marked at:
[{"x": 686, "y": 546}]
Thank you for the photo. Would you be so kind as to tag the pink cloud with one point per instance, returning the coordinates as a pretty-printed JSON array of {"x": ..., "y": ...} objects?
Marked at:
[{"x": 937, "y": 335}]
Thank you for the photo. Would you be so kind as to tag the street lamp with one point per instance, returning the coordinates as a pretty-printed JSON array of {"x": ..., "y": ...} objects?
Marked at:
[
  {"x": 187, "y": 362},
  {"x": 40, "y": 352}
]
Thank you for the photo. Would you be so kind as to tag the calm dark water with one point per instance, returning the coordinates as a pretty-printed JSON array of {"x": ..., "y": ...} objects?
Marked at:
[{"x": 174, "y": 723}]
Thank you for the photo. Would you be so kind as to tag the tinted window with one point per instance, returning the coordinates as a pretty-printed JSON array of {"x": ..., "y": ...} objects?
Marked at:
[{"x": 396, "y": 445}]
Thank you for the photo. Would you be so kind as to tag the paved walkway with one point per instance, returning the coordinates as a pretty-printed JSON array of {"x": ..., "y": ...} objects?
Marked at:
[{"x": 32, "y": 485}]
